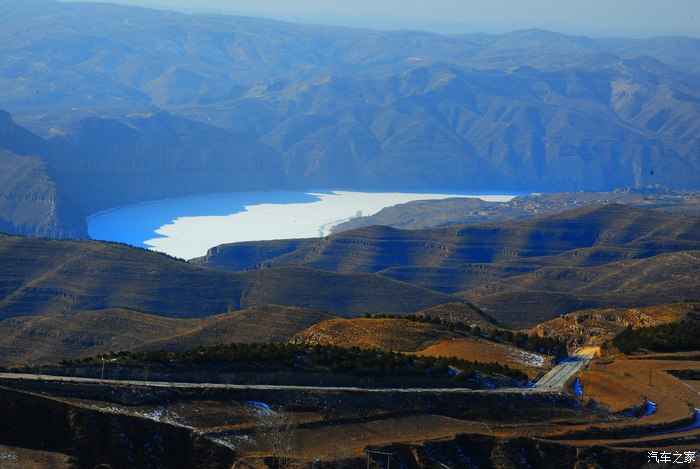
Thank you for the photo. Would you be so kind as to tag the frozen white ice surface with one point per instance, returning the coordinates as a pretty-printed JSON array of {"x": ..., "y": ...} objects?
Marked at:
[{"x": 248, "y": 220}]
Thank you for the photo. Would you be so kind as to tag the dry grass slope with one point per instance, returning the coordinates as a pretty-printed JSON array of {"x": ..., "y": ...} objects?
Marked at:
[
  {"x": 476, "y": 349},
  {"x": 44, "y": 339},
  {"x": 397, "y": 335},
  {"x": 39, "y": 277}
]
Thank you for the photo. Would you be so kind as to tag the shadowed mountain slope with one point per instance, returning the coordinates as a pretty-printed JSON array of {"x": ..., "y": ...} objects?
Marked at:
[
  {"x": 31, "y": 202},
  {"x": 537, "y": 294}
]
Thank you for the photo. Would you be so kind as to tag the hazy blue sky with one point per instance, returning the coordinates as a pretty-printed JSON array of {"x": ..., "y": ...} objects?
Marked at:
[{"x": 598, "y": 17}]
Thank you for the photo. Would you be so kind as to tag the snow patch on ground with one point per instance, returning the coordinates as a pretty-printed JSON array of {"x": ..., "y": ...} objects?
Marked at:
[
  {"x": 225, "y": 443},
  {"x": 157, "y": 415},
  {"x": 259, "y": 404},
  {"x": 526, "y": 358}
]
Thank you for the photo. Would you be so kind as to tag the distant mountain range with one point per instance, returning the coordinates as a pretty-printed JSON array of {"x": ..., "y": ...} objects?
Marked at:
[{"x": 118, "y": 105}]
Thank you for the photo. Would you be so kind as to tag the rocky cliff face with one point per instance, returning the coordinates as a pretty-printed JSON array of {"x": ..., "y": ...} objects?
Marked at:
[
  {"x": 600, "y": 325},
  {"x": 31, "y": 202},
  {"x": 49, "y": 186}
]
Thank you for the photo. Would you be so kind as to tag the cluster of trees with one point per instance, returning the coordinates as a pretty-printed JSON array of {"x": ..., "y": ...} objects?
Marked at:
[
  {"x": 231, "y": 353},
  {"x": 531, "y": 342},
  {"x": 304, "y": 357},
  {"x": 141, "y": 248},
  {"x": 673, "y": 337},
  {"x": 376, "y": 362}
]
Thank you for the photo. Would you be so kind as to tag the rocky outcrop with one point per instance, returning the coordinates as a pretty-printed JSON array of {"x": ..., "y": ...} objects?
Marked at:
[
  {"x": 31, "y": 201},
  {"x": 600, "y": 325}
]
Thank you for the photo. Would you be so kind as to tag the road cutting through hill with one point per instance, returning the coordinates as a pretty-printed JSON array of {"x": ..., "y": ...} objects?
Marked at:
[{"x": 558, "y": 376}]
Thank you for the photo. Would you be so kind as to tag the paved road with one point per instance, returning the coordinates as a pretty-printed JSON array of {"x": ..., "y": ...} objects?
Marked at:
[
  {"x": 557, "y": 377},
  {"x": 261, "y": 387},
  {"x": 553, "y": 381}
]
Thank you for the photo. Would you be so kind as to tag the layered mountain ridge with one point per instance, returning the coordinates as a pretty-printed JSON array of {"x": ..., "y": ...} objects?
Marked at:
[
  {"x": 129, "y": 104},
  {"x": 633, "y": 232},
  {"x": 520, "y": 272},
  {"x": 88, "y": 295},
  {"x": 64, "y": 277}
]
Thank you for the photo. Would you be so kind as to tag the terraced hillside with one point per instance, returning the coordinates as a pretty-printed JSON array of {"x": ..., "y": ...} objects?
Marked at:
[
  {"x": 53, "y": 337},
  {"x": 522, "y": 272},
  {"x": 612, "y": 231},
  {"x": 49, "y": 338},
  {"x": 61, "y": 277},
  {"x": 431, "y": 213}
]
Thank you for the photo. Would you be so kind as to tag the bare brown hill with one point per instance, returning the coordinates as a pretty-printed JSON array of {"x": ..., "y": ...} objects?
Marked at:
[
  {"x": 43, "y": 339},
  {"x": 50, "y": 277},
  {"x": 397, "y": 335},
  {"x": 477, "y": 349},
  {"x": 401, "y": 335},
  {"x": 460, "y": 312},
  {"x": 599, "y": 325},
  {"x": 548, "y": 292}
]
